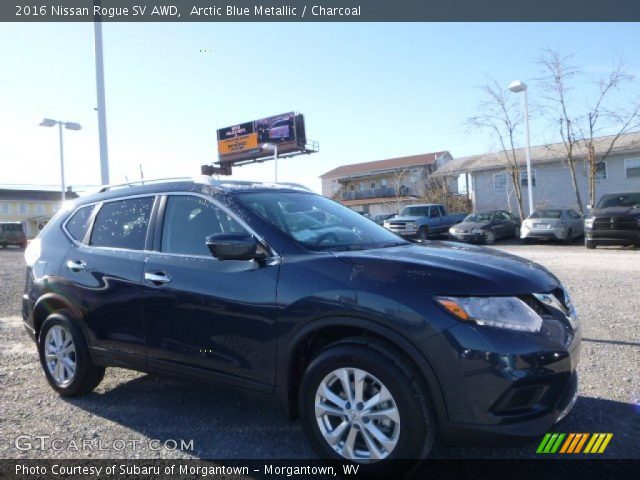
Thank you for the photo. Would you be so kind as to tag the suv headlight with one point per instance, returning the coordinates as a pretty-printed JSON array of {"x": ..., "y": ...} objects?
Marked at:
[
  {"x": 509, "y": 313},
  {"x": 588, "y": 222}
]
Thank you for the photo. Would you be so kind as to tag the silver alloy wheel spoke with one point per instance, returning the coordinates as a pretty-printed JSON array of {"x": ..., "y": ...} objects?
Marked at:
[
  {"x": 60, "y": 355},
  {"x": 357, "y": 415}
]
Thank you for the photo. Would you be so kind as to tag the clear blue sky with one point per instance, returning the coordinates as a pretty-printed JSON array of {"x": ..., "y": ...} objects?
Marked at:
[{"x": 368, "y": 91}]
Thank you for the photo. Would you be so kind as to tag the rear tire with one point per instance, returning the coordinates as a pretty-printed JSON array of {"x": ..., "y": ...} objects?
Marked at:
[
  {"x": 65, "y": 358},
  {"x": 423, "y": 234},
  {"x": 408, "y": 433},
  {"x": 590, "y": 244}
]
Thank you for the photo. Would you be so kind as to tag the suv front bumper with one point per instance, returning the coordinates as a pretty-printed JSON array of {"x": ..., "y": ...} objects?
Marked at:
[
  {"x": 498, "y": 384},
  {"x": 613, "y": 237}
]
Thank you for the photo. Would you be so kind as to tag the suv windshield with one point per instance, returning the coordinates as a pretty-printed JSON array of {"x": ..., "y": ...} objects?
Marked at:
[
  {"x": 479, "y": 217},
  {"x": 416, "y": 211},
  {"x": 620, "y": 200},
  {"x": 319, "y": 223}
]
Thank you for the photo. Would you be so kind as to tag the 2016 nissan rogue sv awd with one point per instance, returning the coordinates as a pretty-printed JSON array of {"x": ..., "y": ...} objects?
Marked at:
[{"x": 378, "y": 344}]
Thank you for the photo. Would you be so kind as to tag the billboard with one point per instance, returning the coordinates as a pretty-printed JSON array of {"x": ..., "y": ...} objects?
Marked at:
[{"x": 244, "y": 141}]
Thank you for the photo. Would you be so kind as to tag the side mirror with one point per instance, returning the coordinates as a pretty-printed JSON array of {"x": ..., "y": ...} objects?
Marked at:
[{"x": 232, "y": 246}]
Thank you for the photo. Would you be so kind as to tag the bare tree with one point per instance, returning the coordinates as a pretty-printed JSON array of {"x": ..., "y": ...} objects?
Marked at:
[
  {"x": 581, "y": 122},
  {"x": 556, "y": 89},
  {"x": 502, "y": 117},
  {"x": 622, "y": 120}
]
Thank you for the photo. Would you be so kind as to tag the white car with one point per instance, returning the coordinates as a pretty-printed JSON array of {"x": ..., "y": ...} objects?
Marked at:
[{"x": 553, "y": 224}]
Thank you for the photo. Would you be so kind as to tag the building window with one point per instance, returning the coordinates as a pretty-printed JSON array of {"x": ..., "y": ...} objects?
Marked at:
[
  {"x": 373, "y": 185},
  {"x": 500, "y": 182},
  {"x": 383, "y": 182},
  {"x": 23, "y": 208},
  {"x": 523, "y": 178},
  {"x": 39, "y": 208},
  {"x": 601, "y": 171},
  {"x": 6, "y": 208},
  {"x": 352, "y": 187},
  {"x": 632, "y": 167}
]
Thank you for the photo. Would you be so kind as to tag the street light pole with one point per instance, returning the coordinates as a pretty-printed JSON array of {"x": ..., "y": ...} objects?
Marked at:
[
  {"x": 274, "y": 148},
  {"x": 529, "y": 177},
  {"x": 62, "y": 199},
  {"x": 275, "y": 157},
  {"x": 517, "y": 86},
  {"x": 48, "y": 122}
]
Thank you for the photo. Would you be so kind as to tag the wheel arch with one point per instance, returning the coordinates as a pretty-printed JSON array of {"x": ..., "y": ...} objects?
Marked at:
[
  {"x": 316, "y": 335},
  {"x": 46, "y": 305}
]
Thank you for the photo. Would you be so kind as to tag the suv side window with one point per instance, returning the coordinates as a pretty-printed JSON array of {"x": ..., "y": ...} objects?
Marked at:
[
  {"x": 79, "y": 222},
  {"x": 573, "y": 214},
  {"x": 122, "y": 224},
  {"x": 189, "y": 220}
]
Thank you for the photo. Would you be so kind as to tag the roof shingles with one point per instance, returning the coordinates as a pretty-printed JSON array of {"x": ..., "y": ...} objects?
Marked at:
[{"x": 388, "y": 164}]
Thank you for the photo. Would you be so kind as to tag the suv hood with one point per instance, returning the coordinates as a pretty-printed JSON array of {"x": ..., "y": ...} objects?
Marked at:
[
  {"x": 614, "y": 211},
  {"x": 405, "y": 218},
  {"x": 472, "y": 225},
  {"x": 448, "y": 268}
]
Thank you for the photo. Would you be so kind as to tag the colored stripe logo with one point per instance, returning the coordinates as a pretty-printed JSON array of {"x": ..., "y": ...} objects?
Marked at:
[{"x": 574, "y": 443}]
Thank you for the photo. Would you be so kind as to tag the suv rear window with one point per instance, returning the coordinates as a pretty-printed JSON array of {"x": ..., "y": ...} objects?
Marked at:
[
  {"x": 79, "y": 222},
  {"x": 122, "y": 224}
]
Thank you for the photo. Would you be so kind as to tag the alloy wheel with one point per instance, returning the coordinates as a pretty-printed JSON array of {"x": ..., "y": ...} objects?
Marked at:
[
  {"x": 357, "y": 415},
  {"x": 60, "y": 355}
]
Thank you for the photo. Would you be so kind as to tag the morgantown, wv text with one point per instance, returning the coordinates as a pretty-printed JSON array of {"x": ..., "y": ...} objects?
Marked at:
[{"x": 181, "y": 469}]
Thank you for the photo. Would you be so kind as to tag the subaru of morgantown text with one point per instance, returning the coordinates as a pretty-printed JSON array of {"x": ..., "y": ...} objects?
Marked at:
[{"x": 380, "y": 346}]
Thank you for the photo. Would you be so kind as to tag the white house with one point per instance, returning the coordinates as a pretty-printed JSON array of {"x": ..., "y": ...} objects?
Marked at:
[{"x": 491, "y": 187}]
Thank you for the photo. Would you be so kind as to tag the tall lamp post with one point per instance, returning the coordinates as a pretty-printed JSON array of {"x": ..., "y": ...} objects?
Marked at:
[
  {"x": 518, "y": 86},
  {"x": 48, "y": 122},
  {"x": 274, "y": 148}
]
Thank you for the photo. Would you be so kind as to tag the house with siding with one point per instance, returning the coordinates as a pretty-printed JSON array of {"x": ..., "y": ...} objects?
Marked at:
[
  {"x": 33, "y": 208},
  {"x": 491, "y": 187},
  {"x": 382, "y": 186}
]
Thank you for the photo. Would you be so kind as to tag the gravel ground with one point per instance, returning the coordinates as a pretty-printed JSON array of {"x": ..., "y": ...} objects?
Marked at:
[{"x": 130, "y": 407}]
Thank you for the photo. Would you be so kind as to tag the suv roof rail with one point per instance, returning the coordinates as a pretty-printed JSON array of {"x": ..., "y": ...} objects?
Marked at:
[
  {"x": 197, "y": 179},
  {"x": 146, "y": 181}
]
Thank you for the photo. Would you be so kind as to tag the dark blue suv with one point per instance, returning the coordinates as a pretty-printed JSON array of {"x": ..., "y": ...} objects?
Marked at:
[{"x": 378, "y": 344}]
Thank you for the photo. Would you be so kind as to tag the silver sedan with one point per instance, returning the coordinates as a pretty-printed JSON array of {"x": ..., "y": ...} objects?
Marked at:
[{"x": 553, "y": 224}]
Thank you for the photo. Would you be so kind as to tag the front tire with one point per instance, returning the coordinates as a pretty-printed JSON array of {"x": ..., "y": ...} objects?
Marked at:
[
  {"x": 65, "y": 358},
  {"x": 362, "y": 402},
  {"x": 423, "y": 234},
  {"x": 590, "y": 244},
  {"x": 489, "y": 238}
]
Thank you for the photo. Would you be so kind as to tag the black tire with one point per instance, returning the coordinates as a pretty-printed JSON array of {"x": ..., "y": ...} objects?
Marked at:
[
  {"x": 417, "y": 423},
  {"x": 423, "y": 233},
  {"x": 590, "y": 244},
  {"x": 569, "y": 239},
  {"x": 87, "y": 376}
]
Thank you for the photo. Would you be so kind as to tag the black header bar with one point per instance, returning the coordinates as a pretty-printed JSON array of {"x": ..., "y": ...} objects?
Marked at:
[{"x": 320, "y": 10}]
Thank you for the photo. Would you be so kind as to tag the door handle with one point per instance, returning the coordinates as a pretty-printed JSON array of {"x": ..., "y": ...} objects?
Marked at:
[
  {"x": 76, "y": 265},
  {"x": 157, "y": 278}
]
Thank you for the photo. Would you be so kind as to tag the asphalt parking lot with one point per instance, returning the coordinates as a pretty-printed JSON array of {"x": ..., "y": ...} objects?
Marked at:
[{"x": 604, "y": 283}]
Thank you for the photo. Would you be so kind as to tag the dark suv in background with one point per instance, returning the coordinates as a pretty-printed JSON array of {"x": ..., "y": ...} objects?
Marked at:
[
  {"x": 12, "y": 233},
  {"x": 614, "y": 221},
  {"x": 378, "y": 344}
]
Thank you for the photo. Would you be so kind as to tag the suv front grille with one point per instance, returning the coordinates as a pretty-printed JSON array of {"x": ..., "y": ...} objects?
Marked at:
[{"x": 615, "y": 223}]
